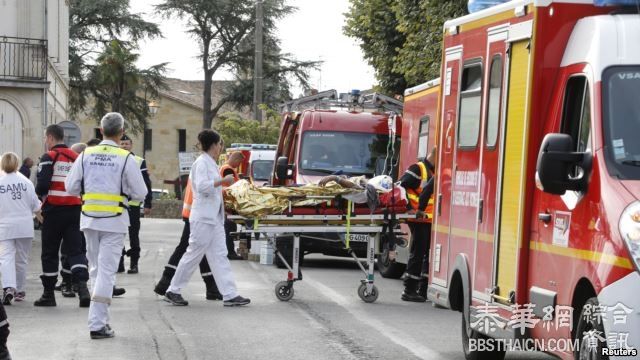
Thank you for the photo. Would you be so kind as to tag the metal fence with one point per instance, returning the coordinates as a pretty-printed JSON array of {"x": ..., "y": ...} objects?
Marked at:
[{"x": 23, "y": 59}]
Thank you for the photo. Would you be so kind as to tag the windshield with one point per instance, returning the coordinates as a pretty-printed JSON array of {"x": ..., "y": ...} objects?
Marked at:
[
  {"x": 328, "y": 152},
  {"x": 621, "y": 112},
  {"x": 261, "y": 169}
]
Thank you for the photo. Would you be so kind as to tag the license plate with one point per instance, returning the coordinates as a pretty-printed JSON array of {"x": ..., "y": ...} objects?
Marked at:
[{"x": 359, "y": 237}]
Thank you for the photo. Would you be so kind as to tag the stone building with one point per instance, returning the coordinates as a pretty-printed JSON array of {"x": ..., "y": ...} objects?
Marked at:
[
  {"x": 173, "y": 129},
  {"x": 34, "y": 72}
]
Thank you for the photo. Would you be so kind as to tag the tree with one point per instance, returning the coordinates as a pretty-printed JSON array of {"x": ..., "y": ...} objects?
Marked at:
[
  {"x": 402, "y": 39},
  {"x": 93, "y": 24},
  {"x": 223, "y": 29},
  {"x": 374, "y": 24},
  {"x": 422, "y": 22},
  {"x": 234, "y": 129},
  {"x": 121, "y": 87}
]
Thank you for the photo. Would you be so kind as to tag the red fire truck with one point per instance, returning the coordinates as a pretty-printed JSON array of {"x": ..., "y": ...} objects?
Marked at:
[
  {"x": 536, "y": 231},
  {"x": 324, "y": 134},
  {"x": 419, "y": 121}
]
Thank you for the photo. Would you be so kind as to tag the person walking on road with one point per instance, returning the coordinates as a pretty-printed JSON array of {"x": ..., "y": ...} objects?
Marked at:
[
  {"x": 134, "y": 212},
  {"x": 18, "y": 203},
  {"x": 107, "y": 177},
  {"x": 61, "y": 213},
  {"x": 170, "y": 269},
  {"x": 207, "y": 226},
  {"x": 230, "y": 168},
  {"x": 418, "y": 180},
  {"x": 25, "y": 169}
]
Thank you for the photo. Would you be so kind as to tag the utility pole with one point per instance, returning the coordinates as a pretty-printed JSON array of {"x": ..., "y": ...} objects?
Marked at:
[{"x": 257, "y": 70}]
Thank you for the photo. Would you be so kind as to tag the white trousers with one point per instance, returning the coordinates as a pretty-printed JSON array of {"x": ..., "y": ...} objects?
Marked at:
[
  {"x": 206, "y": 239},
  {"x": 103, "y": 252},
  {"x": 14, "y": 259}
]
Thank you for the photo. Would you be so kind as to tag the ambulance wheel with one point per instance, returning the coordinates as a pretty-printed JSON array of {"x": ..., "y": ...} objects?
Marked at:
[
  {"x": 284, "y": 291},
  {"x": 368, "y": 297},
  {"x": 477, "y": 355},
  {"x": 388, "y": 268},
  {"x": 587, "y": 324}
]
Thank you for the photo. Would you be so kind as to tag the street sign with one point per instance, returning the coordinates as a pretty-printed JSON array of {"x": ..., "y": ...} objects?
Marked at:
[{"x": 185, "y": 161}]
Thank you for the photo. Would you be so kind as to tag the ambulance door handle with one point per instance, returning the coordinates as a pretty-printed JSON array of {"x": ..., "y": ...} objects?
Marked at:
[
  {"x": 480, "y": 210},
  {"x": 439, "y": 204},
  {"x": 545, "y": 217}
]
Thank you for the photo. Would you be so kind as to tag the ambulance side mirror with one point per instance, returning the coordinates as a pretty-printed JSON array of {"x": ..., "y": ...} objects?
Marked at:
[
  {"x": 283, "y": 168},
  {"x": 559, "y": 168}
]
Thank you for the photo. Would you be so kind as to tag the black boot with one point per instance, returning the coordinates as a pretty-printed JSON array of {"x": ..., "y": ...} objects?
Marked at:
[
  {"x": 410, "y": 291},
  {"x": 4, "y": 334},
  {"x": 212, "y": 289},
  {"x": 121, "y": 265},
  {"x": 67, "y": 289},
  {"x": 133, "y": 269},
  {"x": 118, "y": 291},
  {"x": 48, "y": 298},
  {"x": 162, "y": 285},
  {"x": 83, "y": 294},
  {"x": 422, "y": 288}
]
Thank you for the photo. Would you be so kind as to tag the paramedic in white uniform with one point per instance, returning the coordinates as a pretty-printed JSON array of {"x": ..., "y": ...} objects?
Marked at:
[
  {"x": 107, "y": 177},
  {"x": 207, "y": 226},
  {"x": 18, "y": 203}
]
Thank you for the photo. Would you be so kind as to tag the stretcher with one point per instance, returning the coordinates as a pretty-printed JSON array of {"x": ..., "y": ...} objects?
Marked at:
[{"x": 304, "y": 220}]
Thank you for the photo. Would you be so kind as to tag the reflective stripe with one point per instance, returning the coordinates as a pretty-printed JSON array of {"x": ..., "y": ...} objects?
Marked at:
[
  {"x": 423, "y": 171},
  {"x": 103, "y": 208},
  {"x": 413, "y": 276},
  {"x": 55, "y": 274},
  {"x": 413, "y": 197},
  {"x": 45, "y": 163},
  {"x": 66, "y": 271},
  {"x": 186, "y": 206},
  {"x": 207, "y": 274},
  {"x": 58, "y": 178},
  {"x": 171, "y": 266},
  {"x": 58, "y": 193},
  {"x": 101, "y": 299},
  {"x": 79, "y": 266},
  {"x": 412, "y": 174},
  {"x": 103, "y": 197},
  {"x": 4, "y": 323},
  {"x": 134, "y": 203}
]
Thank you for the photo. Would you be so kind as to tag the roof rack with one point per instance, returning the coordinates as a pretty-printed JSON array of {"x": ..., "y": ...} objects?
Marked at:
[{"x": 353, "y": 101}]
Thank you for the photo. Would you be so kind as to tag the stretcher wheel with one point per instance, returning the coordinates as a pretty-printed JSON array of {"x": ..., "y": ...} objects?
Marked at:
[
  {"x": 365, "y": 296},
  {"x": 284, "y": 291}
]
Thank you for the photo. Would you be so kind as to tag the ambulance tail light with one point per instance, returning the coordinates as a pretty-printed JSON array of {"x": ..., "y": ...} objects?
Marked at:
[{"x": 630, "y": 231}]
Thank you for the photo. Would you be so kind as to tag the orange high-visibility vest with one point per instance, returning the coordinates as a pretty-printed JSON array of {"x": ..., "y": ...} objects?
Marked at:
[
  {"x": 188, "y": 200},
  {"x": 414, "y": 195},
  {"x": 225, "y": 167}
]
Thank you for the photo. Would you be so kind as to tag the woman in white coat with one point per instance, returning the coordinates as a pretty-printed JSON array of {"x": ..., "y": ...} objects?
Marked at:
[
  {"x": 18, "y": 203},
  {"x": 207, "y": 226}
]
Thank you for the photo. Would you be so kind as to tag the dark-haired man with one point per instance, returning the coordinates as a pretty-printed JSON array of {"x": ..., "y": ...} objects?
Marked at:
[
  {"x": 134, "y": 212},
  {"x": 61, "y": 225}
]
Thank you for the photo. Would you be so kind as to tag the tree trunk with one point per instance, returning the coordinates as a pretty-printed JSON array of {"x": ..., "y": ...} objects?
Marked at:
[{"x": 207, "y": 113}]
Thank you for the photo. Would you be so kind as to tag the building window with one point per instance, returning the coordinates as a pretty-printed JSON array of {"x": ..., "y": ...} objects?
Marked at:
[
  {"x": 470, "y": 105},
  {"x": 423, "y": 138},
  {"x": 97, "y": 134},
  {"x": 148, "y": 139},
  {"x": 493, "y": 109},
  {"x": 182, "y": 140}
]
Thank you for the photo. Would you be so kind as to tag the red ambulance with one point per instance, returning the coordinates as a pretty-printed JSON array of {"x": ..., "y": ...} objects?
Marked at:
[{"x": 536, "y": 233}]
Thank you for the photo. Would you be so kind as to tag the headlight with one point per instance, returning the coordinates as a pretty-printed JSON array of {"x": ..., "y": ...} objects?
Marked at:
[{"x": 630, "y": 230}]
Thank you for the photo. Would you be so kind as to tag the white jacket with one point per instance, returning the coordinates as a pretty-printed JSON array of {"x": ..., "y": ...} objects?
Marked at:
[
  {"x": 208, "y": 206},
  {"x": 18, "y": 202},
  {"x": 109, "y": 177}
]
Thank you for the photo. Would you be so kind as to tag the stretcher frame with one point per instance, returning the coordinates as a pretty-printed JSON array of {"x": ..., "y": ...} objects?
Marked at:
[{"x": 296, "y": 225}]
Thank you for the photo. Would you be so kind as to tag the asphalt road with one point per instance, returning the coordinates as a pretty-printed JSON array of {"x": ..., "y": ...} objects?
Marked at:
[{"x": 325, "y": 319}]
